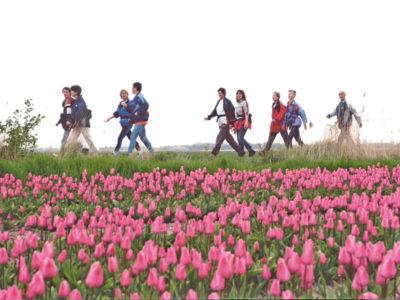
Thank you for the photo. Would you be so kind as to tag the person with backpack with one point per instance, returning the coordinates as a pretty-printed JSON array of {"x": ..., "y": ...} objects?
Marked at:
[
  {"x": 344, "y": 113},
  {"x": 225, "y": 113},
  {"x": 243, "y": 122},
  {"x": 124, "y": 118},
  {"x": 294, "y": 116},
  {"x": 65, "y": 116},
  {"x": 276, "y": 126},
  {"x": 139, "y": 116},
  {"x": 80, "y": 117}
]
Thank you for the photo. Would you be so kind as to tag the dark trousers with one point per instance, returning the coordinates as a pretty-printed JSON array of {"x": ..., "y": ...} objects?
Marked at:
[
  {"x": 223, "y": 135},
  {"x": 271, "y": 139},
  {"x": 125, "y": 132},
  {"x": 242, "y": 142},
  {"x": 295, "y": 133}
]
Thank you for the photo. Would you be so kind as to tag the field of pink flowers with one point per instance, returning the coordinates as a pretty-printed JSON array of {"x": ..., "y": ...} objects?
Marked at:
[{"x": 231, "y": 234}]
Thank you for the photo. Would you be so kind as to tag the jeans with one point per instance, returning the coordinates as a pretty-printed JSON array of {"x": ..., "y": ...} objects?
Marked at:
[
  {"x": 125, "y": 132},
  {"x": 64, "y": 139},
  {"x": 139, "y": 131},
  {"x": 242, "y": 142},
  {"x": 271, "y": 138},
  {"x": 223, "y": 135},
  {"x": 295, "y": 133}
]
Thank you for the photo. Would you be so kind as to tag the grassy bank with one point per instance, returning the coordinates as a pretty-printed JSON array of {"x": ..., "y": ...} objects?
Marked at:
[{"x": 318, "y": 155}]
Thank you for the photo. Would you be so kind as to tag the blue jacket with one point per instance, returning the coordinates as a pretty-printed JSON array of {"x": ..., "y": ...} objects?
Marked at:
[
  {"x": 138, "y": 108},
  {"x": 79, "y": 113},
  {"x": 294, "y": 115},
  {"x": 123, "y": 114}
]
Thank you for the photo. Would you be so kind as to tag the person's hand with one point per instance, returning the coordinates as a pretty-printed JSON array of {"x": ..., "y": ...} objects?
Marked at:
[
  {"x": 360, "y": 125},
  {"x": 328, "y": 116},
  {"x": 68, "y": 123},
  {"x": 124, "y": 104},
  {"x": 57, "y": 124},
  {"x": 106, "y": 120},
  {"x": 206, "y": 119},
  {"x": 246, "y": 124},
  {"x": 305, "y": 126}
]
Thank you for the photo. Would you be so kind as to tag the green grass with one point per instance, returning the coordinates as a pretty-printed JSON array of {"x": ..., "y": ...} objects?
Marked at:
[{"x": 318, "y": 155}]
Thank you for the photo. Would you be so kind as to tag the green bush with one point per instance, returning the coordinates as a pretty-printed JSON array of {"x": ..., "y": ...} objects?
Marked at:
[{"x": 19, "y": 132}]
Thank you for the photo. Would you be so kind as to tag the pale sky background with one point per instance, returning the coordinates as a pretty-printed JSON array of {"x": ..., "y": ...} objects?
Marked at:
[{"x": 183, "y": 51}]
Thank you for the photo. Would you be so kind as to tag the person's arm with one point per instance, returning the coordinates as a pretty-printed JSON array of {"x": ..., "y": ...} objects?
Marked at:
[
  {"x": 246, "y": 114},
  {"x": 78, "y": 111},
  {"x": 356, "y": 116},
  {"x": 303, "y": 116},
  {"x": 281, "y": 114},
  {"x": 334, "y": 113},
  {"x": 212, "y": 114}
]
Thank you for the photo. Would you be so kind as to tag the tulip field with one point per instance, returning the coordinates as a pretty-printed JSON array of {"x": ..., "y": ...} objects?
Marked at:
[{"x": 199, "y": 234}]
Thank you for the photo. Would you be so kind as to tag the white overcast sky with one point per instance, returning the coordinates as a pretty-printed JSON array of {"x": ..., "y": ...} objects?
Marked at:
[{"x": 183, "y": 51}]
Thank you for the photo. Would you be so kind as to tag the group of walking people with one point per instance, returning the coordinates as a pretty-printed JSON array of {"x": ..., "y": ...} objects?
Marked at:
[
  {"x": 134, "y": 115},
  {"x": 286, "y": 121}
]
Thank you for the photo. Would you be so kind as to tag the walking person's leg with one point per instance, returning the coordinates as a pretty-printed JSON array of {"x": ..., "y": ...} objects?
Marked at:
[
  {"x": 270, "y": 141},
  {"x": 121, "y": 136},
  {"x": 231, "y": 141},
  {"x": 88, "y": 138},
  {"x": 219, "y": 140},
  {"x": 247, "y": 145},
  {"x": 145, "y": 140},
  {"x": 291, "y": 135},
  {"x": 128, "y": 134},
  {"x": 73, "y": 136},
  {"x": 64, "y": 139},
  {"x": 240, "y": 139},
  {"x": 285, "y": 137},
  {"x": 134, "y": 135},
  {"x": 297, "y": 137}
]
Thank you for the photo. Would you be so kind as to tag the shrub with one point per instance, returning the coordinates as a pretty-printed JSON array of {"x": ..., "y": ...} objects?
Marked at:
[{"x": 19, "y": 132}]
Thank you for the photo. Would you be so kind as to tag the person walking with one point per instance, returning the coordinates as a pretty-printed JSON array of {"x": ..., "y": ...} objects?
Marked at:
[
  {"x": 65, "y": 116},
  {"x": 243, "y": 123},
  {"x": 80, "y": 116},
  {"x": 139, "y": 116},
  {"x": 344, "y": 113},
  {"x": 225, "y": 113},
  {"x": 124, "y": 118},
  {"x": 294, "y": 116},
  {"x": 277, "y": 125}
]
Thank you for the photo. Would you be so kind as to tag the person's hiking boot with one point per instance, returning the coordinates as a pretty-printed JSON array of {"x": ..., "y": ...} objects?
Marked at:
[{"x": 252, "y": 153}]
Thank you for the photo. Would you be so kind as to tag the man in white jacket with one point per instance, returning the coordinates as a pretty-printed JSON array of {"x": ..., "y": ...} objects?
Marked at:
[{"x": 344, "y": 113}]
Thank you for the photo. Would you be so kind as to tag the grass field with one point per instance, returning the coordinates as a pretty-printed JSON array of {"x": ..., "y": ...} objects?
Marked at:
[{"x": 325, "y": 155}]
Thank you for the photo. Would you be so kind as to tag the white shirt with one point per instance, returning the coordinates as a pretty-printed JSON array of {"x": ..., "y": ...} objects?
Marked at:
[{"x": 220, "y": 111}]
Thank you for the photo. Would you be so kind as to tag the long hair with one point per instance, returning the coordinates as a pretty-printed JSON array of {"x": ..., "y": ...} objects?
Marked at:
[{"x": 242, "y": 93}]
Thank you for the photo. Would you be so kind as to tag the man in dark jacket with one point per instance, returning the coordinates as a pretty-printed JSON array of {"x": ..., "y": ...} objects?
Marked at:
[
  {"x": 65, "y": 116},
  {"x": 225, "y": 113},
  {"x": 80, "y": 116}
]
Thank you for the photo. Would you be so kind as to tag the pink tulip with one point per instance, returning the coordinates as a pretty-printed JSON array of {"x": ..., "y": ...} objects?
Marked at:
[
  {"x": 23, "y": 271},
  {"x": 288, "y": 295},
  {"x": 368, "y": 296},
  {"x": 361, "y": 279},
  {"x": 112, "y": 264},
  {"x": 166, "y": 296},
  {"x": 240, "y": 249},
  {"x": 48, "y": 268},
  {"x": 135, "y": 296},
  {"x": 63, "y": 290},
  {"x": 213, "y": 296},
  {"x": 161, "y": 284},
  {"x": 191, "y": 295},
  {"x": 266, "y": 273},
  {"x": 275, "y": 289},
  {"x": 3, "y": 256},
  {"x": 217, "y": 282},
  {"x": 125, "y": 278},
  {"x": 322, "y": 258},
  {"x": 13, "y": 293},
  {"x": 180, "y": 273},
  {"x": 282, "y": 273},
  {"x": 75, "y": 295},
  {"x": 95, "y": 277},
  {"x": 152, "y": 279},
  {"x": 62, "y": 257},
  {"x": 37, "y": 286}
]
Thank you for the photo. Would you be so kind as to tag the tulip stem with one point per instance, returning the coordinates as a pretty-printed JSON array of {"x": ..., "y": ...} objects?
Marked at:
[{"x": 92, "y": 294}]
